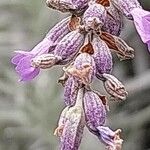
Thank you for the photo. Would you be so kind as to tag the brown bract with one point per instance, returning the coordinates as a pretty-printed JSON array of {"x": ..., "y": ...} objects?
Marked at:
[
  {"x": 74, "y": 22},
  {"x": 118, "y": 45},
  {"x": 105, "y": 3}
]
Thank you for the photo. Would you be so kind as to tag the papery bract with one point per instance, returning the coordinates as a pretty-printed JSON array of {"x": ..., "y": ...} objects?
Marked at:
[{"x": 83, "y": 69}]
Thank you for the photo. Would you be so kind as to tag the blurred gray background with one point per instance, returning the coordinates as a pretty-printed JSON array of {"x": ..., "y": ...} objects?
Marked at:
[{"x": 29, "y": 111}]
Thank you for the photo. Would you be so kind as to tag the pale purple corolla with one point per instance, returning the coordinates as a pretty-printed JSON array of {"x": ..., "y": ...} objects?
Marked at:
[
  {"x": 23, "y": 59},
  {"x": 142, "y": 24}
]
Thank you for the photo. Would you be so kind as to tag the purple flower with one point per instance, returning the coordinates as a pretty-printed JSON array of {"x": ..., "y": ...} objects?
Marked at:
[
  {"x": 142, "y": 24},
  {"x": 23, "y": 60}
]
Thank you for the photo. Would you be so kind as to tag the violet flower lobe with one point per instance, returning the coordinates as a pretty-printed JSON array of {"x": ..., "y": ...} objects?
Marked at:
[
  {"x": 110, "y": 138},
  {"x": 102, "y": 57},
  {"x": 141, "y": 17},
  {"x": 23, "y": 60}
]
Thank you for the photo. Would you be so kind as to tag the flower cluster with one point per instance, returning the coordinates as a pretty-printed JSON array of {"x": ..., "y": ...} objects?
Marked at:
[{"x": 84, "y": 42}]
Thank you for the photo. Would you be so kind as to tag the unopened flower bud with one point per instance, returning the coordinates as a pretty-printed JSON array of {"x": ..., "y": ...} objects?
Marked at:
[
  {"x": 94, "y": 17},
  {"x": 69, "y": 46},
  {"x": 71, "y": 88},
  {"x": 114, "y": 87},
  {"x": 95, "y": 111},
  {"x": 102, "y": 57},
  {"x": 114, "y": 21}
]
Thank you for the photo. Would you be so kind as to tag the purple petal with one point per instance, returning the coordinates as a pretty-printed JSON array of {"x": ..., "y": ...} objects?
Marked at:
[
  {"x": 142, "y": 23},
  {"x": 29, "y": 74},
  {"x": 16, "y": 59},
  {"x": 24, "y": 63}
]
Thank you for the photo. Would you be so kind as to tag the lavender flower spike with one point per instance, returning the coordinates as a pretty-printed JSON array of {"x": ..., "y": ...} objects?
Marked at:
[
  {"x": 133, "y": 10},
  {"x": 23, "y": 60}
]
